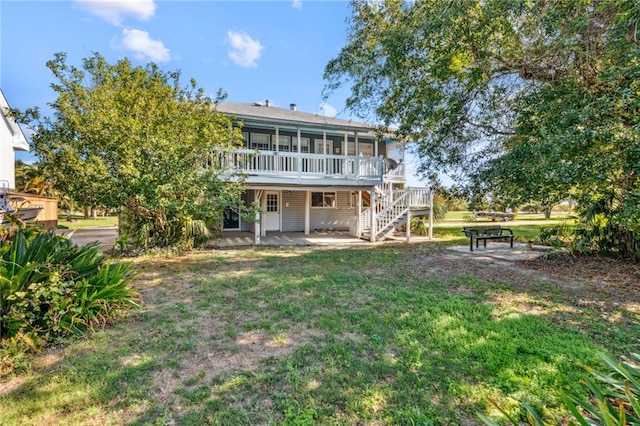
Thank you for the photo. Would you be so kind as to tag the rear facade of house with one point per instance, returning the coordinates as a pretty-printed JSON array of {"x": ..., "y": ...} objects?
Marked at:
[{"x": 310, "y": 172}]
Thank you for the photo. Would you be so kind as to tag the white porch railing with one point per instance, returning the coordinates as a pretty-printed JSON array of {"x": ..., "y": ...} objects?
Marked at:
[
  {"x": 420, "y": 198},
  {"x": 396, "y": 175},
  {"x": 292, "y": 164}
]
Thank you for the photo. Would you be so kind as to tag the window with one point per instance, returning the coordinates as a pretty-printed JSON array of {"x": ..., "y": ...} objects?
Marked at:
[
  {"x": 351, "y": 148},
  {"x": 323, "y": 199},
  {"x": 260, "y": 141},
  {"x": 284, "y": 143},
  {"x": 272, "y": 203},
  {"x": 366, "y": 149},
  {"x": 245, "y": 137},
  {"x": 304, "y": 144},
  {"x": 319, "y": 147}
]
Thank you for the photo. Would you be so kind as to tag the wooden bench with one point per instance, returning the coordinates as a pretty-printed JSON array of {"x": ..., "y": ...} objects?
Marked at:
[{"x": 484, "y": 234}]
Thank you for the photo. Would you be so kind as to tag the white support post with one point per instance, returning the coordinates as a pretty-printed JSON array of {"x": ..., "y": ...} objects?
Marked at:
[
  {"x": 372, "y": 236},
  {"x": 307, "y": 211},
  {"x": 276, "y": 164},
  {"x": 345, "y": 143},
  {"x": 299, "y": 153},
  {"x": 408, "y": 224},
  {"x": 430, "y": 214},
  {"x": 357, "y": 144},
  {"x": 263, "y": 200},
  {"x": 358, "y": 214},
  {"x": 258, "y": 224},
  {"x": 324, "y": 152}
]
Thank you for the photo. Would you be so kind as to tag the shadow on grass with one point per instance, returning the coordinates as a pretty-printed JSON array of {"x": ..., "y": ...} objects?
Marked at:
[{"x": 301, "y": 336}]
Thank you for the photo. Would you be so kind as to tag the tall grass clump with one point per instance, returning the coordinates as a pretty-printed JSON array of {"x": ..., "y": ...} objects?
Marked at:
[
  {"x": 51, "y": 289},
  {"x": 614, "y": 397}
]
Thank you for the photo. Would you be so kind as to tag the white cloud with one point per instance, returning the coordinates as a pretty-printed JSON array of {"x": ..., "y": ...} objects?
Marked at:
[
  {"x": 328, "y": 110},
  {"x": 244, "y": 51},
  {"x": 115, "y": 11},
  {"x": 296, "y": 4},
  {"x": 143, "y": 46}
]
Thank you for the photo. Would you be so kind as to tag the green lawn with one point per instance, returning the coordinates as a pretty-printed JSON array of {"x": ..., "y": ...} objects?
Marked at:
[
  {"x": 457, "y": 216},
  {"x": 453, "y": 234},
  {"x": 79, "y": 222},
  {"x": 390, "y": 334}
]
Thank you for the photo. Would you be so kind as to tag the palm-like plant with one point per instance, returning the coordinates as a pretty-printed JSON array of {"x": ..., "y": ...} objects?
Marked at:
[
  {"x": 420, "y": 224},
  {"x": 614, "y": 397},
  {"x": 53, "y": 288}
]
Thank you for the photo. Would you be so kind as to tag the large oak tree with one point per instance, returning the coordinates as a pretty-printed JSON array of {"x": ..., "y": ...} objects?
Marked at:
[{"x": 532, "y": 99}]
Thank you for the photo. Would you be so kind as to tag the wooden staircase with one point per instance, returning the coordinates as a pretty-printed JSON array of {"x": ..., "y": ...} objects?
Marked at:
[{"x": 390, "y": 209}]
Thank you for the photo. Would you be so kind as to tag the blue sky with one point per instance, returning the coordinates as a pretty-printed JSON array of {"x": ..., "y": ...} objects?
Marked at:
[{"x": 254, "y": 51}]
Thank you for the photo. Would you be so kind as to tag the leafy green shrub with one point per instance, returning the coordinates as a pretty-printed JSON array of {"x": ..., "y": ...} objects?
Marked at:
[
  {"x": 420, "y": 225},
  {"x": 614, "y": 397},
  {"x": 53, "y": 289},
  {"x": 608, "y": 239},
  {"x": 557, "y": 236}
]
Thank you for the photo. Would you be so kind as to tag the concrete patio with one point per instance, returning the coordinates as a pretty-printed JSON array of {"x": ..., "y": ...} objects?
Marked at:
[
  {"x": 494, "y": 251},
  {"x": 315, "y": 238},
  {"x": 502, "y": 251}
]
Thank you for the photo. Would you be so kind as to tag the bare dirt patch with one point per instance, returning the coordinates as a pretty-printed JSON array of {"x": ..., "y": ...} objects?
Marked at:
[{"x": 618, "y": 280}]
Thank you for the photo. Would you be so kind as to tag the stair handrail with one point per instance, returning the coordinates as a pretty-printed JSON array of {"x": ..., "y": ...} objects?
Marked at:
[{"x": 397, "y": 208}]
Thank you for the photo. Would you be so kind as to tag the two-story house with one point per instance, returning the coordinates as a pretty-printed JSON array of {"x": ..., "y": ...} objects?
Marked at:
[{"x": 311, "y": 172}]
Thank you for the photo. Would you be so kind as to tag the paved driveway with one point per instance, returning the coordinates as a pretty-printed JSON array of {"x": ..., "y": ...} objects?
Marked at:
[{"x": 106, "y": 237}]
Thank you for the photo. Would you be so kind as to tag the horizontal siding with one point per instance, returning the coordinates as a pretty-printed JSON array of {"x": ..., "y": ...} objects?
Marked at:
[
  {"x": 337, "y": 218},
  {"x": 334, "y": 218},
  {"x": 293, "y": 214}
]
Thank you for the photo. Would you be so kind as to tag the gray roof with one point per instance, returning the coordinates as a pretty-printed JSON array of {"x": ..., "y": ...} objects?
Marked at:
[{"x": 284, "y": 116}]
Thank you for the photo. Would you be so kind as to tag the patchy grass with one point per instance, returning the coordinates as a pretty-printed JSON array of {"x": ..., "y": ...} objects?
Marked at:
[{"x": 389, "y": 334}]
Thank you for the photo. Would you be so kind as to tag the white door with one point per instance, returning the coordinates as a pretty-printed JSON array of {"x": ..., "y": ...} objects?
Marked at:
[{"x": 272, "y": 213}]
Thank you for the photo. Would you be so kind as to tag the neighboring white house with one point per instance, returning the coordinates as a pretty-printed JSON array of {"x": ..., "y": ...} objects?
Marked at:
[
  {"x": 12, "y": 139},
  {"x": 313, "y": 172}
]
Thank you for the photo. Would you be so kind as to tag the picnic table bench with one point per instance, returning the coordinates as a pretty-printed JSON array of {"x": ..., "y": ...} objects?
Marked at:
[{"x": 484, "y": 234}]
